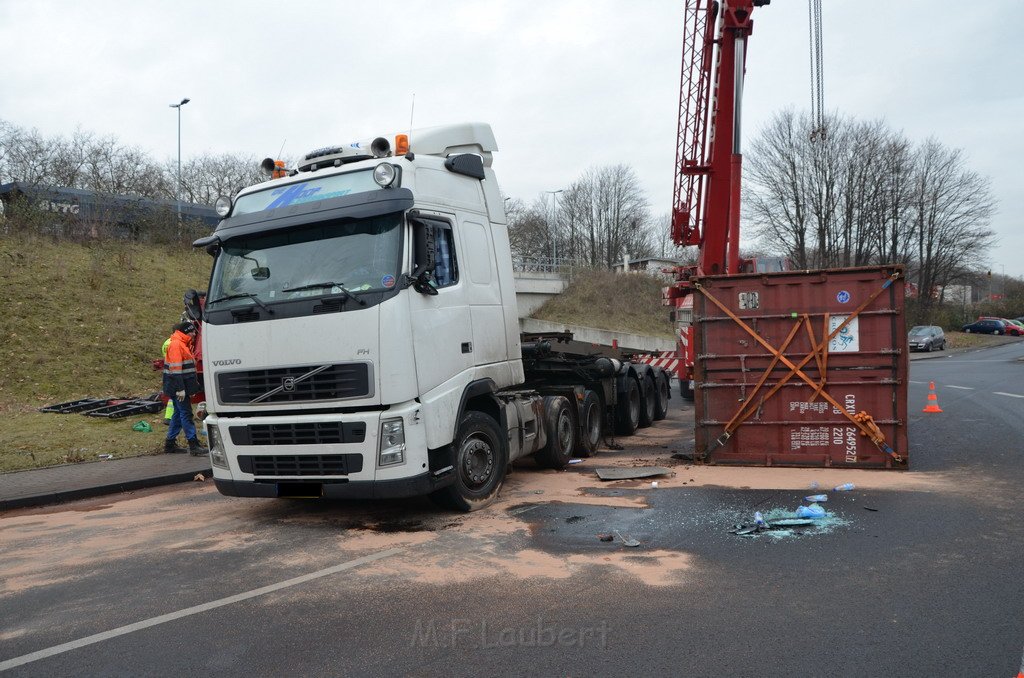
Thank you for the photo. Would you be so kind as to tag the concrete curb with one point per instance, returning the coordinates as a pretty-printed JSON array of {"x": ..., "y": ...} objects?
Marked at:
[{"x": 100, "y": 490}]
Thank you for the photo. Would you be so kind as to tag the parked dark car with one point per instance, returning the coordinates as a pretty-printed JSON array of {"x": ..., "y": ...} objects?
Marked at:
[
  {"x": 926, "y": 338},
  {"x": 1012, "y": 328},
  {"x": 986, "y": 327}
]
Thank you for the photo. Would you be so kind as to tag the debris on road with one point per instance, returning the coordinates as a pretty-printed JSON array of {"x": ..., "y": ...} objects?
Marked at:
[
  {"x": 868, "y": 508},
  {"x": 845, "y": 487},
  {"x": 627, "y": 540},
  {"x": 812, "y": 511},
  {"x": 816, "y": 498},
  {"x": 199, "y": 477},
  {"x": 780, "y": 523},
  {"x": 606, "y": 537},
  {"x": 105, "y": 456},
  {"x": 632, "y": 473},
  {"x": 575, "y": 461},
  {"x": 142, "y": 427}
]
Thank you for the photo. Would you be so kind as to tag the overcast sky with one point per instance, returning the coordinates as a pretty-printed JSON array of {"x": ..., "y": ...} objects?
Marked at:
[{"x": 566, "y": 85}]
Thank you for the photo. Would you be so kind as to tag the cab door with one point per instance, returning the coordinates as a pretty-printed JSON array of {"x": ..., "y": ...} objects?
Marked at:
[{"x": 442, "y": 325}]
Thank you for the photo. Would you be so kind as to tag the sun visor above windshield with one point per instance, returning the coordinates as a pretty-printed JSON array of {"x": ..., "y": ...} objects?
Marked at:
[{"x": 356, "y": 206}]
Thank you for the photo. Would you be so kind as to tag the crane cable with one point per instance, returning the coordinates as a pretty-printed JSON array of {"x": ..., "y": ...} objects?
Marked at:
[{"x": 817, "y": 71}]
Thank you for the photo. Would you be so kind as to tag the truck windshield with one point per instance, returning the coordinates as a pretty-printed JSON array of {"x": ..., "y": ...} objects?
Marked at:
[{"x": 358, "y": 256}]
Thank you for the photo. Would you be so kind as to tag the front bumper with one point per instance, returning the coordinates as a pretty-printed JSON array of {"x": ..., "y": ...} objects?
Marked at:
[
  {"x": 344, "y": 465},
  {"x": 416, "y": 486}
]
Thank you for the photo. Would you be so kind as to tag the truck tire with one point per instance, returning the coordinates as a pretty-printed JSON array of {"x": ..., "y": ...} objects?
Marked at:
[
  {"x": 627, "y": 412},
  {"x": 649, "y": 403},
  {"x": 662, "y": 393},
  {"x": 560, "y": 422},
  {"x": 480, "y": 464},
  {"x": 685, "y": 391},
  {"x": 591, "y": 424}
]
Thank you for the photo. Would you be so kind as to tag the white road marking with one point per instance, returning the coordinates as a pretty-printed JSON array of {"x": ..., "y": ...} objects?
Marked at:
[
  {"x": 1012, "y": 395},
  {"x": 962, "y": 388},
  {"x": 918, "y": 382},
  {"x": 189, "y": 611}
]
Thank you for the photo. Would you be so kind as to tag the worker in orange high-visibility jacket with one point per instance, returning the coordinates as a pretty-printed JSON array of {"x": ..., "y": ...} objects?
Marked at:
[{"x": 180, "y": 384}]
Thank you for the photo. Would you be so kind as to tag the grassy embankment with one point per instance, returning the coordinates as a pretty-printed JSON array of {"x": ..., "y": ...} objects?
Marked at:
[
  {"x": 79, "y": 321},
  {"x": 609, "y": 301}
]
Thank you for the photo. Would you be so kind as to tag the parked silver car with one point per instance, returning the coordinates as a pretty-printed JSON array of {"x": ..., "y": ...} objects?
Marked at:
[{"x": 926, "y": 338}]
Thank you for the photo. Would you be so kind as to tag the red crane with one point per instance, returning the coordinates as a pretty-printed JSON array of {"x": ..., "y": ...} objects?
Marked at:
[
  {"x": 706, "y": 208},
  {"x": 706, "y": 204}
]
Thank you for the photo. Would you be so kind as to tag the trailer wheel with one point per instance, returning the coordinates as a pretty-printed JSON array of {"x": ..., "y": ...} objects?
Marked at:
[
  {"x": 627, "y": 414},
  {"x": 662, "y": 393},
  {"x": 562, "y": 433},
  {"x": 480, "y": 464},
  {"x": 591, "y": 424},
  {"x": 649, "y": 402},
  {"x": 685, "y": 391}
]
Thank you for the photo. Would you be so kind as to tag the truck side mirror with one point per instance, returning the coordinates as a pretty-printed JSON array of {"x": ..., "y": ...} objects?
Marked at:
[{"x": 425, "y": 247}]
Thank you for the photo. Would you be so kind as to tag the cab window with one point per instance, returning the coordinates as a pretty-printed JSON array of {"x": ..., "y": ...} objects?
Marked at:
[{"x": 446, "y": 270}]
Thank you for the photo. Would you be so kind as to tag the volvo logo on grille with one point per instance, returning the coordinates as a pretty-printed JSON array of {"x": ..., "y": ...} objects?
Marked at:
[{"x": 288, "y": 383}]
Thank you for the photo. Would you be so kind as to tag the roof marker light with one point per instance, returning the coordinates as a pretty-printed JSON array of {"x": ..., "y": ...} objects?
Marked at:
[{"x": 401, "y": 144}]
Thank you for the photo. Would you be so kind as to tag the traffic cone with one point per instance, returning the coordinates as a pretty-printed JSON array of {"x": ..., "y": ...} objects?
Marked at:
[{"x": 933, "y": 400}]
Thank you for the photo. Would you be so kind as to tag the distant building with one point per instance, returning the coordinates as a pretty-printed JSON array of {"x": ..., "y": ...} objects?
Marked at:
[
  {"x": 650, "y": 265},
  {"x": 957, "y": 294},
  {"x": 84, "y": 213}
]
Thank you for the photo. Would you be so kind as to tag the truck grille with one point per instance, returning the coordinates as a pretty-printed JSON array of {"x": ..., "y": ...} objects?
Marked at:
[
  {"x": 314, "y": 433},
  {"x": 310, "y": 465},
  {"x": 295, "y": 384}
]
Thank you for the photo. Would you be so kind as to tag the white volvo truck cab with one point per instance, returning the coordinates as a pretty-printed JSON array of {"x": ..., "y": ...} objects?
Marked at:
[{"x": 361, "y": 332}]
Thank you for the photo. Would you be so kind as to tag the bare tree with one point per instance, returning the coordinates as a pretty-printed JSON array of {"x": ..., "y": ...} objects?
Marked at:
[
  {"x": 604, "y": 215},
  {"x": 954, "y": 207},
  {"x": 864, "y": 195},
  {"x": 528, "y": 229},
  {"x": 207, "y": 177}
]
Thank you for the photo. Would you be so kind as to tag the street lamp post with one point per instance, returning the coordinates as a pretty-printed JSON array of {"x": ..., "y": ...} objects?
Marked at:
[
  {"x": 177, "y": 189},
  {"x": 554, "y": 216}
]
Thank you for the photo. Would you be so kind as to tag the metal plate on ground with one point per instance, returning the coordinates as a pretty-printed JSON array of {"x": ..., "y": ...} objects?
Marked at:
[{"x": 630, "y": 473}]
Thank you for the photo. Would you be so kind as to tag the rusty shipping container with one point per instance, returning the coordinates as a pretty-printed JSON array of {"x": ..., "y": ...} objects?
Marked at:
[{"x": 804, "y": 368}]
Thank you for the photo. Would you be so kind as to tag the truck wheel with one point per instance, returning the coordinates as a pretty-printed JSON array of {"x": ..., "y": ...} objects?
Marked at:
[
  {"x": 592, "y": 424},
  {"x": 685, "y": 391},
  {"x": 649, "y": 401},
  {"x": 480, "y": 464},
  {"x": 627, "y": 412},
  {"x": 662, "y": 393},
  {"x": 562, "y": 433}
]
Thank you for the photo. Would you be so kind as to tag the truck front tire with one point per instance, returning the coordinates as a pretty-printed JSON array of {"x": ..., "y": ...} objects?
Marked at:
[{"x": 480, "y": 463}]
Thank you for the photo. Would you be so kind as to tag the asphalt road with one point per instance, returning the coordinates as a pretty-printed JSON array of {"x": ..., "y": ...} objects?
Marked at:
[{"x": 183, "y": 581}]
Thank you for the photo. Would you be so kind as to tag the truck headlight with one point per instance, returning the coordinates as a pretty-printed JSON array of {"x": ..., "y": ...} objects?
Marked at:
[
  {"x": 217, "y": 455},
  {"x": 392, "y": 442}
]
